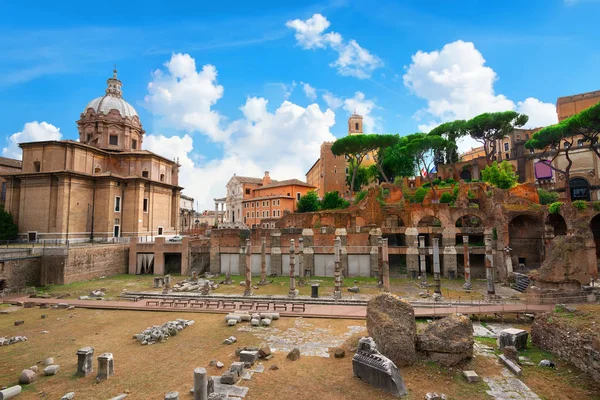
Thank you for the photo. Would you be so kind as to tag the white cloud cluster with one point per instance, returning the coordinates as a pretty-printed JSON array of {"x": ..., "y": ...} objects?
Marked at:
[
  {"x": 309, "y": 91},
  {"x": 458, "y": 85},
  {"x": 184, "y": 97},
  {"x": 353, "y": 60},
  {"x": 358, "y": 104},
  {"x": 32, "y": 132}
]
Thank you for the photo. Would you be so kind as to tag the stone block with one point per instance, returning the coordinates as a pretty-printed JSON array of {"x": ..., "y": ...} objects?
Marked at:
[
  {"x": 339, "y": 353},
  {"x": 235, "y": 317},
  {"x": 228, "y": 378},
  {"x": 68, "y": 396},
  {"x": 17, "y": 323},
  {"x": 85, "y": 361},
  {"x": 51, "y": 370},
  {"x": 10, "y": 392},
  {"x": 249, "y": 356},
  {"x": 27, "y": 377},
  {"x": 435, "y": 396},
  {"x": 471, "y": 376},
  {"x": 237, "y": 368},
  {"x": 514, "y": 368},
  {"x": 255, "y": 322},
  {"x": 264, "y": 351},
  {"x": 231, "y": 322},
  {"x": 513, "y": 337},
  {"x": 265, "y": 322},
  {"x": 48, "y": 361},
  {"x": 294, "y": 354},
  {"x": 172, "y": 396},
  {"x": 106, "y": 366},
  {"x": 377, "y": 370}
]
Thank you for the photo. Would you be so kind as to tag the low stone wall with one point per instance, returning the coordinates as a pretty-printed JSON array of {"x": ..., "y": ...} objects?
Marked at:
[
  {"x": 572, "y": 336},
  {"x": 20, "y": 271}
]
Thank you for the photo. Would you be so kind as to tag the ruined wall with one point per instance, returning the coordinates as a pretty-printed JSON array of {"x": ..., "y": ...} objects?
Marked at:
[{"x": 20, "y": 272}]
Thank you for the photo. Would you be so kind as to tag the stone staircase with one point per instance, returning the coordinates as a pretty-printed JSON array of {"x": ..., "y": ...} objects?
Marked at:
[{"x": 522, "y": 282}]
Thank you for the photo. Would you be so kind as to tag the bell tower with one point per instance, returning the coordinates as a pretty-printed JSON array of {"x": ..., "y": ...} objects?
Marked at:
[{"x": 355, "y": 124}]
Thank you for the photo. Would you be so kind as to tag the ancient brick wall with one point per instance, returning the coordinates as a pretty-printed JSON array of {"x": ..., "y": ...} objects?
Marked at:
[
  {"x": 20, "y": 272},
  {"x": 89, "y": 262}
]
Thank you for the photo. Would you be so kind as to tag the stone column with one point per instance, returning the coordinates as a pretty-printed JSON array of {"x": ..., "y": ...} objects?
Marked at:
[
  {"x": 337, "y": 292},
  {"x": 293, "y": 291},
  {"x": 215, "y": 259},
  {"x": 436, "y": 266},
  {"x": 412, "y": 252},
  {"x": 380, "y": 263},
  {"x": 248, "y": 290},
  {"x": 276, "y": 257},
  {"x": 263, "y": 262},
  {"x": 216, "y": 214},
  {"x": 489, "y": 266},
  {"x": 200, "y": 384},
  {"x": 301, "y": 262},
  {"x": 449, "y": 251},
  {"x": 385, "y": 264},
  {"x": 343, "y": 235},
  {"x": 508, "y": 260},
  {"x": 106, "y": 366},
  {"x": 10, "y": 392},
  {"x": 308, "y": 254},
  {"x": 467, "y": 285},
  {"x": 85, "y": 359},
  {"x": 422, "y": 262},
  {"x": 374, "y": 254}
]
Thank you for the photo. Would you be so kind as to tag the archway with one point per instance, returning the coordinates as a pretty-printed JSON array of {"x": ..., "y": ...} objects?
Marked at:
[
  {"x": 595, "y": 227},
  {"x": 580, "y": 189},
  {"x": 430, "y": 221},
  {"x": 558, "y": 223},
  {"x": 526, "y": 239},
  {"x": 466, "y": 175},
  {"x": 469, "y": 221}
]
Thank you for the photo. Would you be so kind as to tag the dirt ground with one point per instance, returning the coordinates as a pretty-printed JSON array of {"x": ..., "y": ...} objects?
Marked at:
[{"x": 148, "y": 372}]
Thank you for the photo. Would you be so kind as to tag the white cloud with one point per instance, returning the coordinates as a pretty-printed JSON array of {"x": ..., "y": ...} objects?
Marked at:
[
  {"x": 353, "y": 60},
  {"x": 309, "y": 91},
  {"x": 32, "y": 132},
  {"x": 332, "y": 101},
  {"x": 184, "y": 97},
  {"x": 458, "y": 85}
]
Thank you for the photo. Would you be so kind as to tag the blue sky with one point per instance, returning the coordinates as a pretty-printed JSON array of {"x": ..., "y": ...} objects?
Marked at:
[{"x": 405, "y": 65}]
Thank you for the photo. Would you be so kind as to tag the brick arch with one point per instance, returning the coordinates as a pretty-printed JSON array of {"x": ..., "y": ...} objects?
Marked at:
[
  {"x": 458, "y": 214},
  {"x": 423, "y": 212}
]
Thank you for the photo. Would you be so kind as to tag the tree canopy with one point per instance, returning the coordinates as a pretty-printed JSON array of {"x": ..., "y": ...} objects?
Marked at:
[
  {"x": 355, "y": 147},
  {"x": 8, "y": 229},
  {"x": 500, "y": 175},
  {"x": 379, "y": 144},
  {"x": 309, "y": 202},
  {"x": 423, "y": 147},
  {"x": 486, "y": 128},
  {"x": 332, "y": 201},
  {"x": 451, "y": 131}
]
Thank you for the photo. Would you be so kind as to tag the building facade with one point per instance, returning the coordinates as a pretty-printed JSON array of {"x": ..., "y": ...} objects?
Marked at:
[
  {"x": 103, "y": 186},
  {"x": 186, "y": 214},
  {"x": 7, "y": 166}
]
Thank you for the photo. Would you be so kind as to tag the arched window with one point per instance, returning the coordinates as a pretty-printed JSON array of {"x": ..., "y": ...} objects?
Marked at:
[
  {"x": 37, "y": 166},
  {"x": 566, "y": 145},
  {"x": 162, "y": 177},
  {"x": 356, "y": 126},
  {"x": 580, "y": 143}
]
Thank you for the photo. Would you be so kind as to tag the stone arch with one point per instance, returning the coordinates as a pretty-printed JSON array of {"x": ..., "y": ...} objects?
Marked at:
[
  {"x": 526, "y": 239},
  {"x": 580, "y": 189},
  {"x": 466, "y": 175},
  {"x": 429, "y": 221},
  {"x": 469, "y": 221},
  {"x": 558, "y": 223}
]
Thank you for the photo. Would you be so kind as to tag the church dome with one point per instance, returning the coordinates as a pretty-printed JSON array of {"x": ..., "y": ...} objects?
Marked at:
[{"x": 112, "y": 100}]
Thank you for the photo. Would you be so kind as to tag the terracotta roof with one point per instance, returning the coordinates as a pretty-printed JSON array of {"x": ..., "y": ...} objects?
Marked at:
[
  {"x": 273, "y": 196},
  {"x": 10, "y": 162},
  {"x": 287, "y": 182},
  {"x": 247, "y": 179}
]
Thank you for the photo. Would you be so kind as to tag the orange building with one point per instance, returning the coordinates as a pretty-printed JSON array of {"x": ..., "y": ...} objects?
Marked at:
[{"x": 568, "y": 106}]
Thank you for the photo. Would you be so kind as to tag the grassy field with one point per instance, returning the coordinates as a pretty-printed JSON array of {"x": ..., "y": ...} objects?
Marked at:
[{"x": 148, "y": 372}]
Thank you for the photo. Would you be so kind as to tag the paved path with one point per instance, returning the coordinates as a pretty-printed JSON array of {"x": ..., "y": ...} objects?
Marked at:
[{"x": 312, "y": 310}]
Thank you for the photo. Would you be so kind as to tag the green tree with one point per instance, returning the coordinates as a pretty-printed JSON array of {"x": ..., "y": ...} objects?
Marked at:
[
  {"x": 487, "y": 128},
  {"x": 500, "y": 175},
  {"x": 332, "y": 201},
  {"x": 549, "y": 140},
  {"x": 8, "y": 228},
  {"x": 379, "y": 144},
  {"x": 309, "y": 202},
  {"x": 452, "y": 132},
  {"x": 423, "y": 148},
  {"x": 355, "y": 147},
  {"x": 586, "y": 124},
  {"x": 397, "y": 161},
  {"x": 362, "y": 176}
]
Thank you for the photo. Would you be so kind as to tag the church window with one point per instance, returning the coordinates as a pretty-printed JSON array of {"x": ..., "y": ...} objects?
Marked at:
[
  {"x": 134, "y": 144},
  {"x": 144, "y": 174},
  {"x": 145, "y": 205},
  {"x": 162, "y": 177},
  {"x": 356, "y": 125},
  {"x": 113, "y": 140},
  {"x": 37, "y": 166},
  {"x": 505, "y": 146},
  {"x": 117, "y": 204}
]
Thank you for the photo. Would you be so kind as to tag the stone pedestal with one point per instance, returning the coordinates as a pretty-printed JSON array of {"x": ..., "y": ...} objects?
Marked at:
[
  {"x": 337, "y": 291},
  {"x": 422, "y": 262},
  {"x": 200, "y": 384},
  {"x": 293, "y": 292},
  {"x": 343, "y": 235},
  {"x": 85, "y": 360},
  {"x": 375, "y": 254},
  {"x": 106, "y": 366},
  {"x": 513, "y": 337},
  {"x": 159, "y": 281},
  {"x": 436, "y": 266},
  {"x": 489, "y": 266}
]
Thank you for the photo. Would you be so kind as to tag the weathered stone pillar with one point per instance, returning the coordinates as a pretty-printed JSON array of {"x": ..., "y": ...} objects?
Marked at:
[
  {"x": 343, "y": 235},
  {"x": 436, "y": 266},
  {"x": 385, "y": 264},
  {"x": 263, "y": 262},
  {"x": 412, "y": 252},
  {"x": 216, "y": 223},
  {"x": 200, "y": 384},
  {"x": 337, "y": 292},
  {"x": 248, "y": 269},
  {"x": 449, "y": 250},
  {"x": 467, "y": 285},
  {"x": 422, "y": 262},
  {"x": 215, "y": 259},
  {"x": 276, "y": 256},
  {"x": 308, "y": 252},
  {"x": 374, "y": 253},
  {"x": 380, "y": 263},
  {"x": 301, "y": 272},
  {"x": 293, "y": 291},
  {"x": 85, "y": 360},
  {"x": 106, "y": 366},
  {"x": 159, "y": 256},
  {"x": 489, "y": 266}
]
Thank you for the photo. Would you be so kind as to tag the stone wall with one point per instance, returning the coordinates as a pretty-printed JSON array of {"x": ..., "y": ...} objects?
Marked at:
[{"x": 20, "y": 271}]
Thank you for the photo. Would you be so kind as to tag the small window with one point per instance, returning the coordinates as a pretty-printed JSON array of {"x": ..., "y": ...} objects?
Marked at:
[
  {"x": 97, "y": 170},
  {"x": 505, "y": 146},
  {"x": 356, "y": 126},
  {"x": 160, "y": 230},
  {"x": 346, "y": 169},
  {"x": 267, "y": 214},
  {"x": 144, "y": 174},
  {"x": 289, "y": 195},
  {"x": 89, "y": 137},
  {"x": 248, "y": 214},
  {"x": 566, "y": 145},
  {"x": 298, "y": 195},
  {"x": 113, "y": 140},
  {"x": 162, "y": 177},
  {"x": 580, "y": 143},
  {"x": 145, "y": 205},
  {"x": 247, "y": 191},
  {"x": 273, "y": 202},
  {"x": 37, "y": 166},
  {"x": 506, "y": 157},
  {"x": 117, "y": 204},
  {"x": 134, "y": 144},
  {"x": 257, "y": 204},
  {"x": 335, "y": 171},
  {"x": 526, "y": 136},
  {"x": 252, "y": 214}
]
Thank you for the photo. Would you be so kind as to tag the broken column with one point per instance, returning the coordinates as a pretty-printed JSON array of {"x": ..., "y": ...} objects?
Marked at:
[
  {"x": 374, "y": 254},
  {"x": 248, "y": 290},
  {"x": 448, "y": 249},
  {"x": 301, "y": 281},
  {"x": 308, "y": 252},
  {"x": 489, "y": 265},
  {"x": 172, "y": 396},
  {"x": 167, "y": 281},
  {"x": 106, "y": 366},
  {"x": 436, "y": 266},
  {"x": 85, "y": 359},
  {"x": 263, "y": 262},
  {"x": 10, "y": 392},
  {"x": 343, "y": 235},
  {"x": 412, "y": 252},
  {"x": 385, "y": 265},
  {"x": 293, "y": 291},
  {"x": 369, "y": 365},
  {"x": 159, "y": 281},
  {"x": 380, "y": 263},
  {"x": 422, "y": 264},
  {"x": 200, "y": 384},
  {"x": 467, "y": 285},
  {"x": 276, "y": 256},
  {"x": 337, "y": 291}
]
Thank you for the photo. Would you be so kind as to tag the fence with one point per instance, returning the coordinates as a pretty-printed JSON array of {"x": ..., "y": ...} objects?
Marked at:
[{"x": 43, "y": 243}]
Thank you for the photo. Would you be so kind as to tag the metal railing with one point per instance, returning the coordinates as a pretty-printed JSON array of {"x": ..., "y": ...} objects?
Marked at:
[{"x": 44, "y": 243}]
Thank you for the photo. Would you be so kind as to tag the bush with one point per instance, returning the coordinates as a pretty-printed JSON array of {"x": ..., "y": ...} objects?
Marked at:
[
  {"x": 333, "y": 201},
  {"x": 8, "y": 229},
  {"x": 450, "y": 181},
  {"x": 500, "y": 175},
  {"x": 597, "y": 206},
  {"x": 360, "y": 196},
  {"x": 446, "y": 198},
  {"x": 471, "y": 195},
  {"x": 547, "y": 197},
  {"x": 309, "y": 202},
  {"x": 554, "y": 208},
  {"x": 580, "y": 204},
  {"x": 420, "y": 195}
]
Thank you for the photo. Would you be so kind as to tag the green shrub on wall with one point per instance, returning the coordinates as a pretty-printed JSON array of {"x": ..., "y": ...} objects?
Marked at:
[
  {"x": 554, "y": 208},
  {"x": 446, "y": 198},
  {"x": 580, "y": 204},
  {"x": 420, "y": 195},
  {"x": 547, "y": 197}
]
